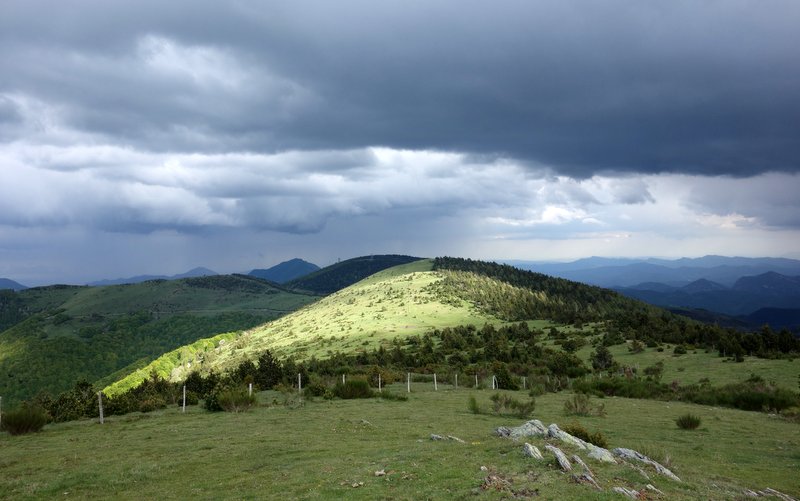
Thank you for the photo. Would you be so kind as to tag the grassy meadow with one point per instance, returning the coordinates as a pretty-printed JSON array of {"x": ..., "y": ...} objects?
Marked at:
[{"x": 331, "y": 450}]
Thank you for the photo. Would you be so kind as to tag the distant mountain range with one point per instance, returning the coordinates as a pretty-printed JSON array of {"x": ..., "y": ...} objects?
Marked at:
[
  {"x": 194, "y": 272},
  {"x": 7, "y": 283},
  {"x": 733, "y": 291},
  {"x": 285, "y": 271},
  {"x": 613, "y": 273}
]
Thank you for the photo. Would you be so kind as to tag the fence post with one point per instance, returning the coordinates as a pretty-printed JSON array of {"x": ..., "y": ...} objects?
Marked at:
[
  {"x": 342, "y": 379},
  {"x": 476, "y": 380},
  {"x": 408, "y": 382},
  {"x": 379, "y": 383},
  {"x": 184, "y": 399},
  {"x": 100, "y": 404},
  {"x": 456, "y": 380},
  {"x": 523, "y": 383},
  {"x": 435, "y": 385},
  {"x": 299, "y": 383},
  {"x": 494, "y": 382},
  {"x": 250, "y": 389}
]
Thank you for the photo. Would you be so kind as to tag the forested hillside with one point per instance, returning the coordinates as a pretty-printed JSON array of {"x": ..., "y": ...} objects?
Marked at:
[
  {"x": 345, "y": 273},
  {"x": 53, "y": 336}
]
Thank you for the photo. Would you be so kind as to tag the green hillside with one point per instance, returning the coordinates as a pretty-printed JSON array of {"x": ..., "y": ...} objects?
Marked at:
[
  {"x": 399, "y": 301},
  {"x": 345, "y": 273},
  {"x": 58, "y": 334}
]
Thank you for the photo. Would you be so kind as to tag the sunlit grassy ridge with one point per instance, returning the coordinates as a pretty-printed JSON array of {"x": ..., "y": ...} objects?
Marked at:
[{"x": 397, "y": 302}]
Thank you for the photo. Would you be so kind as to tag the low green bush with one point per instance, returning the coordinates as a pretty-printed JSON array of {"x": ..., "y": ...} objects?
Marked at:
[
  {"x": 151, "y": 403},
  {"x": 596, "y": 438},
  {"x": 353, "y": 388},
  {"x": 688, "y": 422},
  {"x": 506, "y": 404},
  {"x": 236, "y": 400},
  {"x": 472, "y": 405},
  {"x": 580, "y": 405},
  {"x": 25, "y": 419}
]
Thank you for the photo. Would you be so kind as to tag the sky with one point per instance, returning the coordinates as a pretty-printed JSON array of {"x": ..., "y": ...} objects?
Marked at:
[{"x": 151, "y": 137}]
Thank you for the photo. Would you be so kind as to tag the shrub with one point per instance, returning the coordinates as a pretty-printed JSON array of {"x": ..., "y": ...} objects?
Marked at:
[
  {"x": 472, "y": 405},
  {"x": 353, "y": 388},
  {"x": 191, "y": 399},
  {"x": 688, "y": 422},
  {"x": 387, "y": 395},
  {"x": 315, "y": 389},
  {"x": 26, "y": 419},
  {"x": 679, "y": 350},
  {"x": 151, "y": 403},
  {"x": 596, "y": 438},
  {"x": 236, "y": 400},
  {"x": 502, "y": 403},
  {"x": 579, "y": 405}
]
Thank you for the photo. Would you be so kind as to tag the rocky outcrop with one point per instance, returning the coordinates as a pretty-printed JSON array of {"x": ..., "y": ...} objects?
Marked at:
[
  {"x": 532, "y": 451},
  {"x": 637, "y": 456},
  {"x": 533, "y": 428},
  {"x": 560, "y": 457}
]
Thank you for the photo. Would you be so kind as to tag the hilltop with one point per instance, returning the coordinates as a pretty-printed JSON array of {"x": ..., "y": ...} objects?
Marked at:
[
  {"x": 400, "y": 302},
  {"x": 7, "y": 283},
  {"x": 345, "y": 273},
  {"x": 52, "y": 336},
  {"x": 285, "y": 271}
]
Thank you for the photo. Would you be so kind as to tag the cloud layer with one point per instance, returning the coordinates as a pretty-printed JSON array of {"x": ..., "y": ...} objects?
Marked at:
[{"x": 525, "y": 129}]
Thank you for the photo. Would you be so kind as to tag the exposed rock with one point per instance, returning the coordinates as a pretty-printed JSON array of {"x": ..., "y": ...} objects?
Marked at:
[
  {"x": 533, "y": 428},
  {"x": 595, "y": 452},
  {"x": 555, "y": 432},
  {"x": 652, "y": 488},
  {"x": 503, "y": 431},
  {"x": 532, "y": 451},
  {"x": 632, "y": 454},
  {"x": 380, "y": 473},
  {"x": 630, "y": 493},
  {"x": 434, "y": 436},
  {"x": 772, "y": 492},
  {"x": 600, "y": 454},
  {"x": 560, "y": 456},
  {"x": 577, "y": 460},
  {"x": 586, "y": 478}
]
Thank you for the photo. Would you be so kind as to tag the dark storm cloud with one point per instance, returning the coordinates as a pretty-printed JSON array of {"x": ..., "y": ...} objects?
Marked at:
[{"x": 582, "y": 87}]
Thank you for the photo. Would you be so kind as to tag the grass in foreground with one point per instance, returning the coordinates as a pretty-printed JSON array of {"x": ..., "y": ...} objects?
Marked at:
[{"x": 324, "y": 448}]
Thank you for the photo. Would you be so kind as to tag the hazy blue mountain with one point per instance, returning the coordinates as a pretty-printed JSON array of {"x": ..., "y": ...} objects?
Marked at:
[
  {"x": 194, "y": 272},
  {"x": 702, "y": 285},
  {"x": 286, "y": 271},
  {"x": 607, "y": 272},
  {"x": 748, "y": 294},
  {"x": 7, "y": 283}
]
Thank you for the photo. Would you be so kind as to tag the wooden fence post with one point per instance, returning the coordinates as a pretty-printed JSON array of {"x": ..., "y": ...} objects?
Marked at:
[
  {"x": 379, "y": 383},
  {"x": 100, "y": 404},
  {"x": 183, "y": 409},
  {"x": 408, "y": 382},
  {"x": 456, "y": 380},
  {"x": 476, "y": 380},
  {"x": 250, "y": 389},
  {"x": 435, "y": 385}
]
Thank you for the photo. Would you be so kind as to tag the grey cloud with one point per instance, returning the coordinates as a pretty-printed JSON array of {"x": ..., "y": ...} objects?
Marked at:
[
  {"x": 583, "y": 88},
  {"x": 772, "y": 198}
]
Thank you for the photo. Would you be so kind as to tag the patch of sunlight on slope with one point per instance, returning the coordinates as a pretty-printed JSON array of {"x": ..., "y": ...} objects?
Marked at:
[{"x": 393, "y": 303}]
